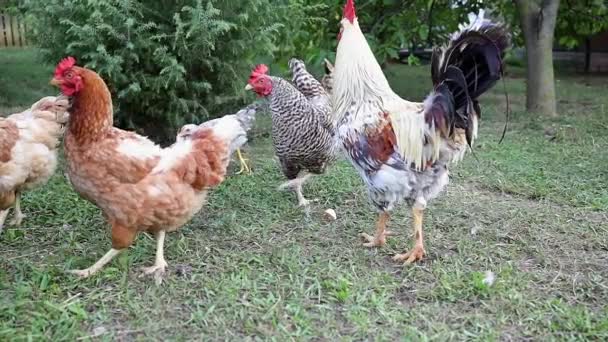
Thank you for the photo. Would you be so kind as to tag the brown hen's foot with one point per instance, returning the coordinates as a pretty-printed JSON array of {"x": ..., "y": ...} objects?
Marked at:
[
  {"x": 416, "y": 254},
  {"x": 3, "y": 215},
  {"x": 158, "y": 270},
  {"x": 98, "y": 265},
  {"x": 81, "y": 273},
  {"x": 160, "y": 264},
  {"x": 18, "y": 216},
  {"x": 377, "y": 240},
  {"x": 17, "y": 219}
]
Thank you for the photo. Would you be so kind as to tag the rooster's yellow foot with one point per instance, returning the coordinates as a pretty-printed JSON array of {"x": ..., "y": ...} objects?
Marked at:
[
  {"x": 416, "y": 254},
  {"x": 375, "y": 241}
]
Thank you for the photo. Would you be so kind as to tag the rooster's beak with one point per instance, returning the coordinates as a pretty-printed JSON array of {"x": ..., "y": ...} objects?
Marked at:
[
  {"x": 248, "y": 87},
  {"x": 56, "y": 81}
]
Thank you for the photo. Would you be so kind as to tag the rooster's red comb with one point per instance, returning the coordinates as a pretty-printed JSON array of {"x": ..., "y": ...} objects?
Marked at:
[
  {"x": 64, "y": 65},
  {"x": 259, "y": 70},
  {"x": 349, "y": 11}
]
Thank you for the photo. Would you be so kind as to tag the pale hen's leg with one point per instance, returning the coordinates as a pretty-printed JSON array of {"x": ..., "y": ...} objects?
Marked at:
[
  {"x": 158, "y": 269},
  {"x": 3, "y": 215},
  {"x": 379, "y": 238},
  {"x": 18, "y": 216},
  {"x": 417, "y": 253},
  {"x": 244, "y": 167},
  {"x": 98, "y": 265}
]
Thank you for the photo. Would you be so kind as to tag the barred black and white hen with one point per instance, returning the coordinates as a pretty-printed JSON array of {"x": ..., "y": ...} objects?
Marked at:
[{"x": 302, "y": 130}]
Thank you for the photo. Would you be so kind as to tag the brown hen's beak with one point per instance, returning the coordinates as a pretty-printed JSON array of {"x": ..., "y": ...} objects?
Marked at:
[
  {"x": 248, "y": 87},
  {"x": 56, "y": 82}
]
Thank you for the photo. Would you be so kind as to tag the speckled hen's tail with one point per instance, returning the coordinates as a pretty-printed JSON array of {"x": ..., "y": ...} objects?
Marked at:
[
  {"x": 306, "y": 83},
  {"x": 328, "y": 79}
]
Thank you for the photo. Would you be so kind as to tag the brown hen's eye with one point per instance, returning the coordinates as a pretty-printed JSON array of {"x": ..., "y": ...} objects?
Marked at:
[{"x": 69, "y": 75}]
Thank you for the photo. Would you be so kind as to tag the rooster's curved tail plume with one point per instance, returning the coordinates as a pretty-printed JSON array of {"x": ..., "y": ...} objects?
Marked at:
[{"x": 462, "y": 71}]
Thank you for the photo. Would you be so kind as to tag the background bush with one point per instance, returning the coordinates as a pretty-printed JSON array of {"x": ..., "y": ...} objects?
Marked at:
[{"x": 169, "y": 62}]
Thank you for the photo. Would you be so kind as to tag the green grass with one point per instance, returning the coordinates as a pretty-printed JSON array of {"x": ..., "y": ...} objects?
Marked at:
[
  {"x": 23, "y": 79},
  {"x": 532, "y": 210}
]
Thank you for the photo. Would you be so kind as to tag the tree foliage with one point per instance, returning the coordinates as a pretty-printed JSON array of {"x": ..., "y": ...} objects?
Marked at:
[
  {"x": 580, "y": 19},
  {"x": 389, "y": 25},
  {"x": 167, "y": 62}
]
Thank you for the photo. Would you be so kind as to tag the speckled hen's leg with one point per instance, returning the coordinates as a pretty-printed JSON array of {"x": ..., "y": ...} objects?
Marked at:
[
  {"x": 158, "y": 269},
  {"x": 296, "y": 184},
  {"x": 379, "y": 238},
  {"x": 18, "y": 216},
  {"x": 302, "y": 201},
  {"x": 417, "y": 253}
]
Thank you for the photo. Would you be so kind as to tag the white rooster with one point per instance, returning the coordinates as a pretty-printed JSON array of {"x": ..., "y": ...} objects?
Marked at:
[{"x": 402, "y": 149}]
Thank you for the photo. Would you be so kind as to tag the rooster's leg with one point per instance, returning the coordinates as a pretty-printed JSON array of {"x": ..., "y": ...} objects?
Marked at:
[
  {"x": 244, "y": 167},
  {"x": 158, "y": 269},
  {"x": 98, "y": 265},
  {"x": 18, "y": 216},
  {"x": 3, "y": 215},
  {"x": 379, "y": 238},
  {"x": 417, "y": 253}
]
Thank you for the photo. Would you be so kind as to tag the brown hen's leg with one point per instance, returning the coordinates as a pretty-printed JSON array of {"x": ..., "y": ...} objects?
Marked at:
[
  {"x": 160, "y": 264},
  {"x": 379, "y": 238},
  {"x": 18, "y": 216},
  {"x": 417, "y": 253},
  {"x": 3, "y": 215},
  {"x": 244, "y": 167},
  {"x": 98, "y": 265},
  {"x": 122, "y": 238}
]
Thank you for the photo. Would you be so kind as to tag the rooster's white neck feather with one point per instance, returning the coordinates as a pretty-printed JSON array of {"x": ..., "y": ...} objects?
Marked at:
[
  {"x": 357, "y": 74},
  {"x": 360, "y": 87}
]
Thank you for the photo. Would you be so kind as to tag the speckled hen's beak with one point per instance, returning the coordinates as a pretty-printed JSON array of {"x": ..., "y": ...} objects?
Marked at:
[{"x": 248, "y": 87}]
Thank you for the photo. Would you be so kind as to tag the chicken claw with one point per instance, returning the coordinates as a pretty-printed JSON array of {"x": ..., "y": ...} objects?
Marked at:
[
  {"x": 17, "y": 219},
  {"x": 81, "y": 273},
  {"x": 18, "y": 216},
  {"x": 244, "y": 167},
  {"x": 158, "y": 270},
  {"x": 416, "y": 254},
  {"x": 98, "y": 265},
  {"x": 375, "y": 241}
]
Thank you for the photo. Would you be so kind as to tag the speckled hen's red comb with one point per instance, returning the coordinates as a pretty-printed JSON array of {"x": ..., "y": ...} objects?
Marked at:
[
  {"x": 64, "y": 65},
  {"x": 259, "y": 70},
  {"x": 349, "y": 11}
]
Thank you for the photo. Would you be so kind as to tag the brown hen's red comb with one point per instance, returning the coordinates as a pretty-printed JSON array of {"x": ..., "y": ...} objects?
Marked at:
[
  {"x": 259, "y": 70},
  {"x": 64, "y": 65},
  {"x": 349, "y": 11}
]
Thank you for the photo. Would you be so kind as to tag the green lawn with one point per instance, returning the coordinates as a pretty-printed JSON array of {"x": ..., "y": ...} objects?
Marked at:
[{"x": 532, "y": 210}]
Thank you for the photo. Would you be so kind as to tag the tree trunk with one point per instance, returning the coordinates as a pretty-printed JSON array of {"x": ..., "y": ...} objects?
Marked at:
[{"x": 538, "y": 19}]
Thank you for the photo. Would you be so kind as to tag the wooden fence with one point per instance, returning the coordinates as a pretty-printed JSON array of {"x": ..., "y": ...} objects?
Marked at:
[{"x": 12, "y": 31}]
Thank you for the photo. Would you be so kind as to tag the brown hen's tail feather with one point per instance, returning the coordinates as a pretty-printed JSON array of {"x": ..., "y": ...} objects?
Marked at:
[{"x": 462, "y": 71}]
